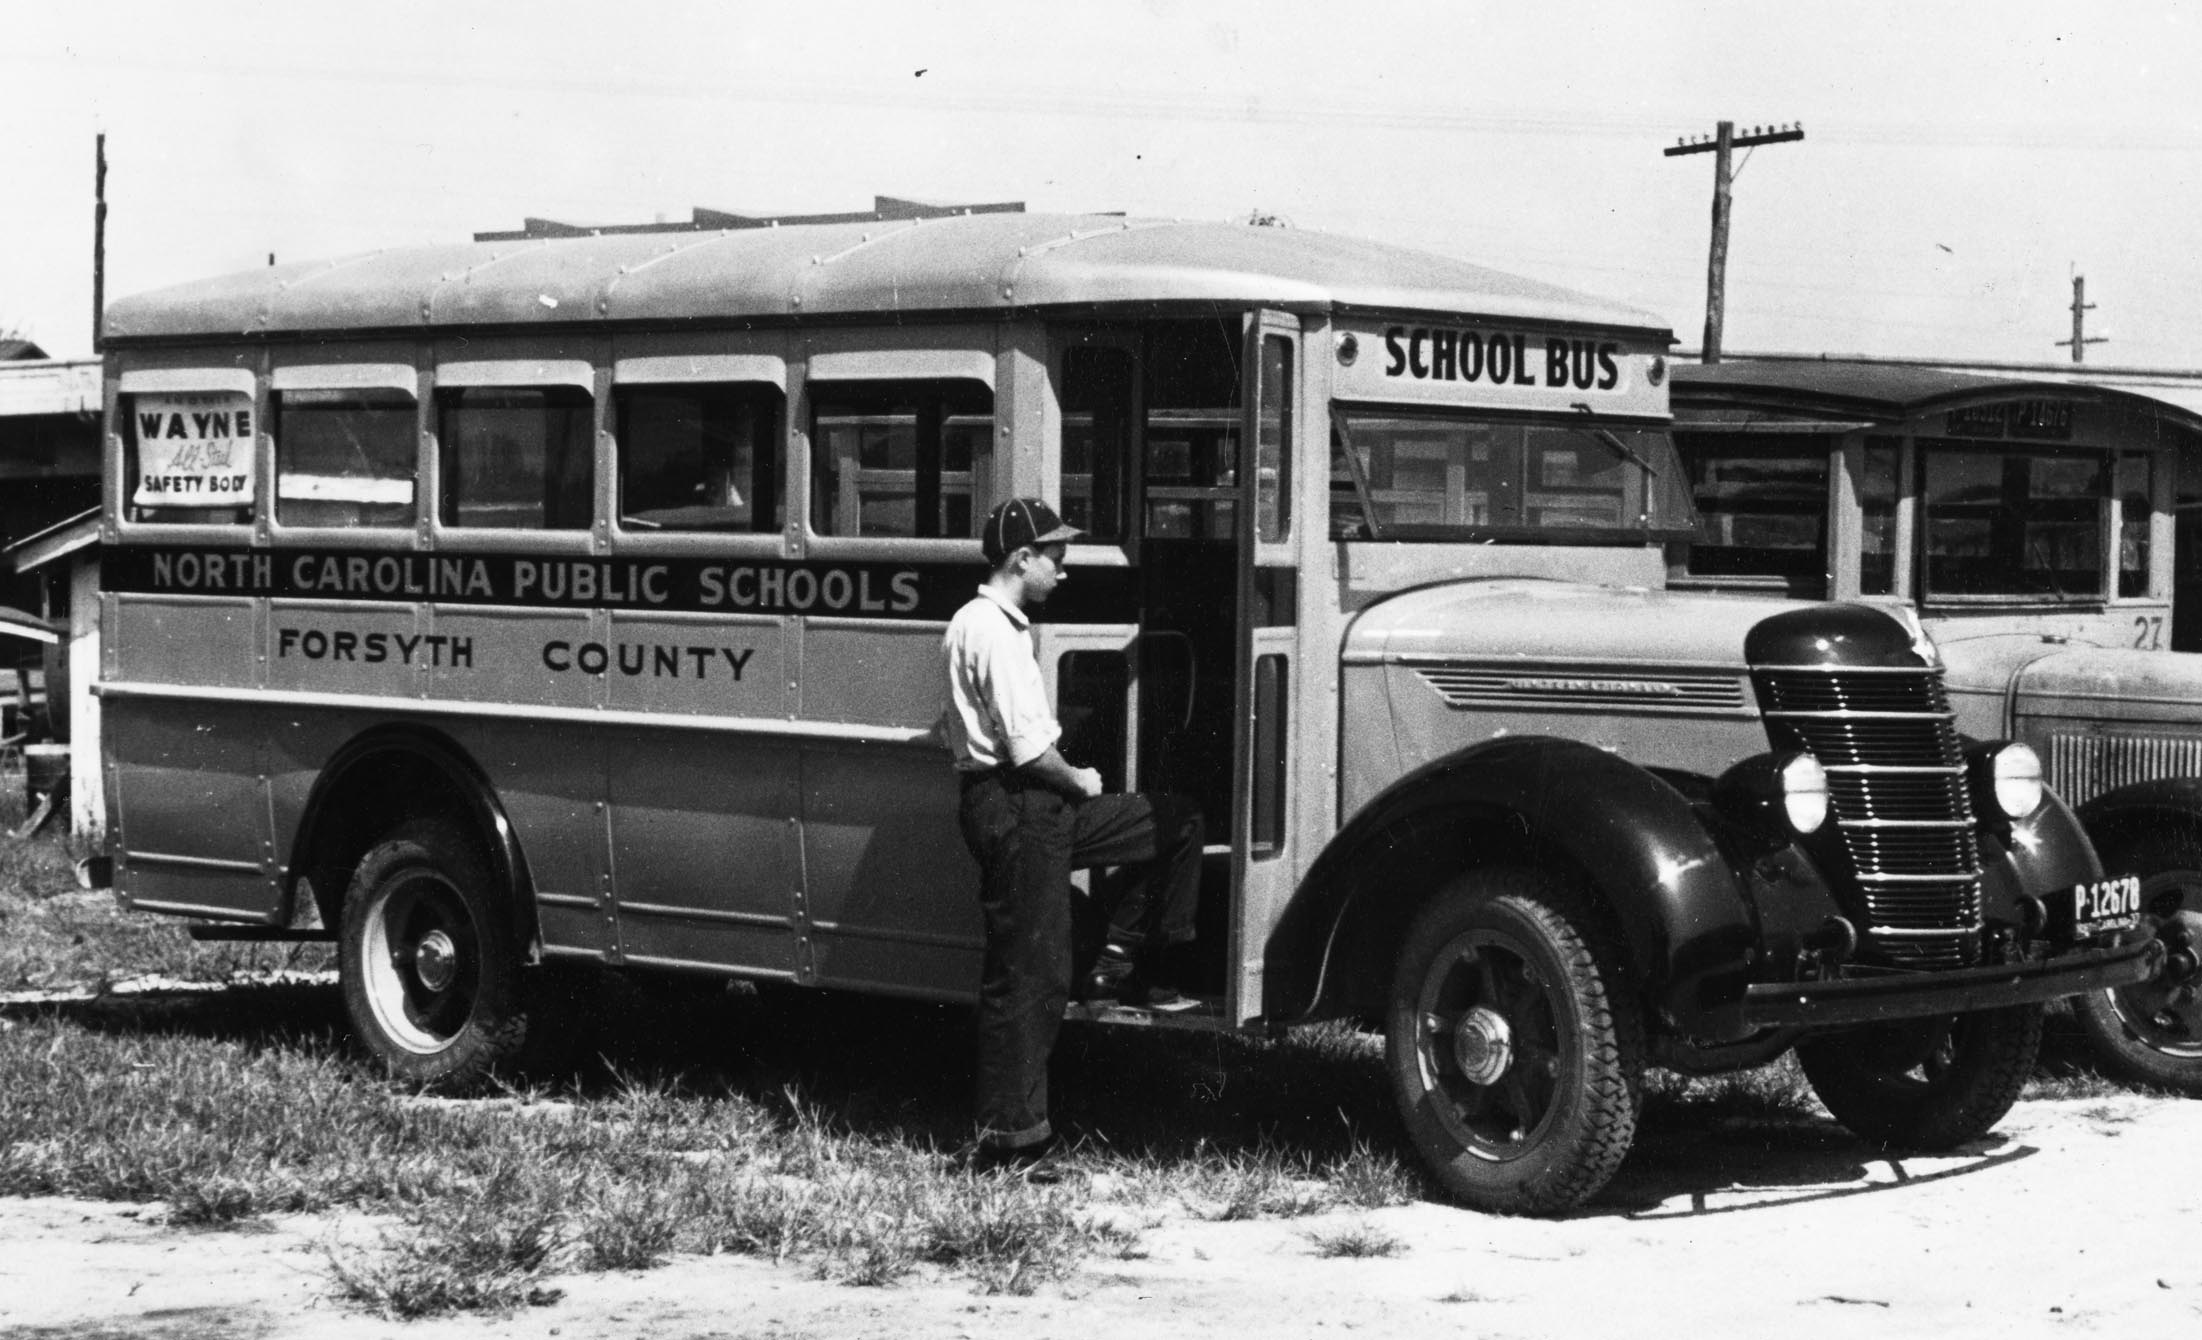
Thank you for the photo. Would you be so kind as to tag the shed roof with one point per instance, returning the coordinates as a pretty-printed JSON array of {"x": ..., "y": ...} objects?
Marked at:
[
  {"x": 59, "y": 540},
  {"x": 49, "y": 386},
  {"x": 1003, "y": 263}
]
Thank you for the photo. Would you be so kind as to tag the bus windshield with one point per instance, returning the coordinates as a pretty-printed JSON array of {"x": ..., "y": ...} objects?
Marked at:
[{"x": 1399, "y": 476}]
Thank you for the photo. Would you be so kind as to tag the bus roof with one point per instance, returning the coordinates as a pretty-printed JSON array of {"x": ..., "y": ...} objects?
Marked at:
[
  {"x": 1872, "y": 391},
  {"x": 968, "y": 264}
]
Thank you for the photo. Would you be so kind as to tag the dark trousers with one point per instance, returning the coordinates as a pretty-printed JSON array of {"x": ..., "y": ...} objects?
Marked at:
[{"x": 1027, "y": 839}]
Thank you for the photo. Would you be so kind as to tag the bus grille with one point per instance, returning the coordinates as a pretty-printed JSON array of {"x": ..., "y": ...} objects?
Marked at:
[
  {"x": 1896, "y": 790},
  {"x": 2084, "y": 764}
]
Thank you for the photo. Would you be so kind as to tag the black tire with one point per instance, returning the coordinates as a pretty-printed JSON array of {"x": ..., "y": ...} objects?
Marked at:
[
  {"x": 2151, "y": 1033},
  {"x": 1925, "y": 1084},
  {"x": 428, "y": 959},
  {"x": 1515, "y": 1052}
]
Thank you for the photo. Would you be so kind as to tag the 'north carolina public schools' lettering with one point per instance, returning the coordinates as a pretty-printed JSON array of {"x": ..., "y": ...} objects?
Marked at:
[
  {"x": 1501, "y": 358},
  {"x": 769, "y": 587}
]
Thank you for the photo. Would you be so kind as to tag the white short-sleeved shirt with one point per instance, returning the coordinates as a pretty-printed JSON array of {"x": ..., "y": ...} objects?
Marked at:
[{"x": 997, "y": 711}]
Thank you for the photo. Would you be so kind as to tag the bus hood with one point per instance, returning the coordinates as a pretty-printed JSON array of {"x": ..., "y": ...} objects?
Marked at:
[
  {"x": 1535, "y": 623},
  {"x": 2107, "y": 684},
  {"x": 2104, "y": 717}
]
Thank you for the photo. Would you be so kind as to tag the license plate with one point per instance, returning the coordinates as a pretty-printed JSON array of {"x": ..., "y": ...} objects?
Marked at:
[{"x": 2106, "y": 905}]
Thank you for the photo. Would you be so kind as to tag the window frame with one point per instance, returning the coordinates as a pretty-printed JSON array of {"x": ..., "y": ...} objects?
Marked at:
[
  {"x": 366, "y": 369},
  {"x": 467, "y": 365},
  {"x": 202, "y": 372}
]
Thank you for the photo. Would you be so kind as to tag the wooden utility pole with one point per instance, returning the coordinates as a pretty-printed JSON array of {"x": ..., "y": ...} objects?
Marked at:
[
  {"x": 2080, "y": 308},
  {"x": 1720, "y": 144},
  {"x": 99, "y": 244}
]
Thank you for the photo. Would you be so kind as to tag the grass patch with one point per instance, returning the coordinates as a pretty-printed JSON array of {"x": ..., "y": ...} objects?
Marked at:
[
  {"x": 791, "y": 1126},
  {"x": 1773, "y": 1094},
  {"x": 55, "y": 936},
  {"x": 1355, "y": 1240}
]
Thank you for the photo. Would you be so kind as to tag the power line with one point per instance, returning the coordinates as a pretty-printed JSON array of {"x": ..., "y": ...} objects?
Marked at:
[{"x": 1720, "y": 144}]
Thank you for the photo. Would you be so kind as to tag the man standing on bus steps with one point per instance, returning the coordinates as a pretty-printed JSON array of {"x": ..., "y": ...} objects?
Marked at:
[{"x": 1030, "y": 818}]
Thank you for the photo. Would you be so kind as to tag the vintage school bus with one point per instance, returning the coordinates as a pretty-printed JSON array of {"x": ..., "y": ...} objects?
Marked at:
[
  {"x": 580, "y": 598},
  {"x": 2047, "y": 536}
]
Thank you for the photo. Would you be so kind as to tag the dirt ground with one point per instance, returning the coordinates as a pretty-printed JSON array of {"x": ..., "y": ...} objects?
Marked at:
[{"x": 2075, "y": 1217}]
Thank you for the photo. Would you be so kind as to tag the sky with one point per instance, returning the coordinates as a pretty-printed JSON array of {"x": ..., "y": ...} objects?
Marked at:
[{"x": 1962, "y": 160}]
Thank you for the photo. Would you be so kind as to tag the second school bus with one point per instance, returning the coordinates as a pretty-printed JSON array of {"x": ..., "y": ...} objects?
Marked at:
[{"x": 581, "y": 598}]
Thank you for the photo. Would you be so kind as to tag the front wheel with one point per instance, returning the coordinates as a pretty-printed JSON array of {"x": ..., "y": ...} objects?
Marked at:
[
  {"x": 1514, "y": 1050},
  {"x": 427, "y": 957},
  {"x": 1925, "y": 1084},
  {"x": 2151, "y": 1032}
]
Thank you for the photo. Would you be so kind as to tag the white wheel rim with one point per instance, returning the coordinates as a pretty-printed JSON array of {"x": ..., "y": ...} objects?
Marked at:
[{"x": 418, "y": 963}]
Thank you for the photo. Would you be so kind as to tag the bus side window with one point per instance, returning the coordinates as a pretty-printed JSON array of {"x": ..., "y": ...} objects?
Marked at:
[
  {"x": 1877, "y": 516},
  {"x": 2135, "y": 485},
  {"x": 702, "y": 457},
  {"x": 897, "y": 458},
  {"x": 344, "y": 458},
  {"x": 517, "y": 457},
  {"x": 190, "y": 458},
  {"x": 1097, "y": 399}
]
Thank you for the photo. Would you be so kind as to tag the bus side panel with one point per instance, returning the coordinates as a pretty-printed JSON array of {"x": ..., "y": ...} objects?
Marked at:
[
  {"x": 501, "y": 655},
  {"x": 873, "y": 673},
  {"x": 550, "y": 781},
  {"x": 191, "y": 826},
  {"x": 704, "y": 849},
  {"x": 546, "y": 787},
  {"x": 202, "y": 641},
  {"x": 345, "y": 647},
  {"x": 893, "y": 895}
]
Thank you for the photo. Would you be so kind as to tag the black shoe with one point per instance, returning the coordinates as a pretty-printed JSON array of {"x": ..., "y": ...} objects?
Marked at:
[
  {"x": 1035, "y": 1163},
  {"x": 1105, "y": 980}
]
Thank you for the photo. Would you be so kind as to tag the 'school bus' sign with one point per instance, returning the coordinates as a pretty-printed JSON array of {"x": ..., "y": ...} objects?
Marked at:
[{"x": 1454, "y": 364}]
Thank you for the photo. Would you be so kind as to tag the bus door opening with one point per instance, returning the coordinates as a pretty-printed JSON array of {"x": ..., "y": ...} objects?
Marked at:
[{"x": 1151, "y": 460}]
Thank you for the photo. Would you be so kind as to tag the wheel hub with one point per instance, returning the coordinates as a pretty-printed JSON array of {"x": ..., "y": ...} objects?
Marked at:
[
  {"x": 1483, "y": 1045},
  {"x": 435, "y": 960}
]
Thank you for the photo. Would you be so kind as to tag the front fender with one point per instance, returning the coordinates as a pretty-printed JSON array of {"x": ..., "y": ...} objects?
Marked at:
[
  {"x": 2114, "y": 818},
  {"x": 2035, "y": 857},
  {"x": 1686, "y": 927}
]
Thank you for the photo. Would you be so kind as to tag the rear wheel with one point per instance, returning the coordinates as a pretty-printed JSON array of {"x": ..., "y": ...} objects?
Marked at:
[
  {"x": 2151, "y": 1032},
  {"x": 430, "y": 969},
  {"x": 1514, "y": 1051},
  {"x": 1927, "y": 1084}
]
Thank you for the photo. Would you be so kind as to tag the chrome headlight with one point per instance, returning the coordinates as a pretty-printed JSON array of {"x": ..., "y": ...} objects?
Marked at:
[
  {"x": 2015, "y": 780},
  {"x": 1804, "y": 793}
]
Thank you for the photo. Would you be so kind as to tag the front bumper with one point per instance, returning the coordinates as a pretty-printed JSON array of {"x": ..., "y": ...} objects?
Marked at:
[{"x": 1866, "y": 1000}]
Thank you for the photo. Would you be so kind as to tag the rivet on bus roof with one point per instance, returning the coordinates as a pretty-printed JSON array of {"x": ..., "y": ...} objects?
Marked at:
[
  {"x": 1009, "y": 290},
  {"x": 603, "y": 305}
]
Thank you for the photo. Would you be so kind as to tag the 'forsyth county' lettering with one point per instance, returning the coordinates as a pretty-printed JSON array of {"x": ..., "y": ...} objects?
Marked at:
[
  {"x": 1428, "y": 353},
  {"x": 343, "y": 644},
  {"x": 660, "y": 660}
]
